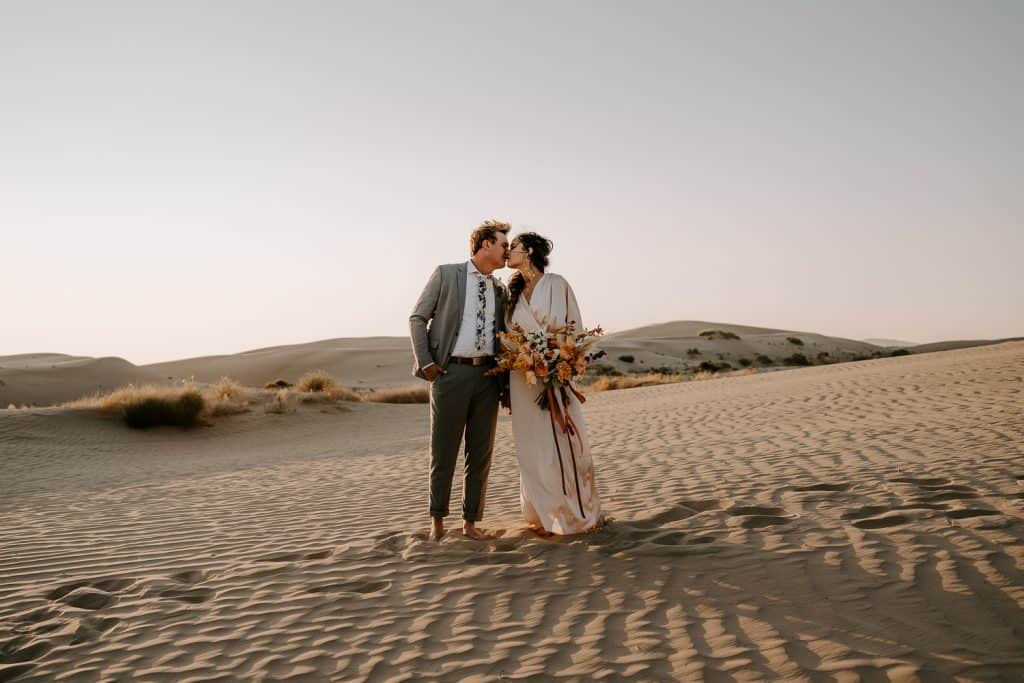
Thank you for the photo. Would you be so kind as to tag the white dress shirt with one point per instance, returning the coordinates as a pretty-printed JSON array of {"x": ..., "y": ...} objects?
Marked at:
[{"x": 465, "y": 342}]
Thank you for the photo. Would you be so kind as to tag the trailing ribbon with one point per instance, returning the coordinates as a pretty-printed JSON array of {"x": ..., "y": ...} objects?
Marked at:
[{"x": 561, "y": 417}]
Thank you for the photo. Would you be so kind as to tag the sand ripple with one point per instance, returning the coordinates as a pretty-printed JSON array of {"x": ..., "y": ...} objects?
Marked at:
[{"x": 858, "y": 521}]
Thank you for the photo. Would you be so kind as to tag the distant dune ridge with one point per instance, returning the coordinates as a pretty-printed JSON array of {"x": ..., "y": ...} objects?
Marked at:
[{"x": 385, "y": 362}]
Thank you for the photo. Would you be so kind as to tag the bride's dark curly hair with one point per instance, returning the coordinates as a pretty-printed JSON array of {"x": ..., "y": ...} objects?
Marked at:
[{"x": 541, "y": 247}]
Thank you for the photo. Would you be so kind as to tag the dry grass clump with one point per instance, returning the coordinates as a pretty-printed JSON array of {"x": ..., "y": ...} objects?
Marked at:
[
  {"x": 315, "y": 381},
  {"x": 412, "y": 394},
  {"x": 656, "y": 378},
  {"x": 225, "y": 389},
  {"x": 340, "y": 393},
  {"x": 225, "y": 407},
  {"x": 608, "y": 383},
  {"x": 282, "y": 402},
  {"x": 148, "y": 405},
  {"x": 720, "y": 334}
]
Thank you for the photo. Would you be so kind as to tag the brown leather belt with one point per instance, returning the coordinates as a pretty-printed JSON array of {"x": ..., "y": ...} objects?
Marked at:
[{"x": 477, "y": 360}]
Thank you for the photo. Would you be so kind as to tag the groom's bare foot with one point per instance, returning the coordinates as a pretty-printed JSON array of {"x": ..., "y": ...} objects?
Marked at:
[
  {"x": 469, "y": 530},
  {"x": 436, "y": 529}
]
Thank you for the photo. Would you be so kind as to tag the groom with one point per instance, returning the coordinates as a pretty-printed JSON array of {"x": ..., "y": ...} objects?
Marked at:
[{"x": 454, "y": 328}]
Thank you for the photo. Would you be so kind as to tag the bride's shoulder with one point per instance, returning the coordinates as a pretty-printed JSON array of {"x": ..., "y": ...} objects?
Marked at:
[{"x": 554, "y": 278}]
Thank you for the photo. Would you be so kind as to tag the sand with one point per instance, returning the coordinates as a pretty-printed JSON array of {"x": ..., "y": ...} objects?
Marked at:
[{"x": 859, "y": 521}]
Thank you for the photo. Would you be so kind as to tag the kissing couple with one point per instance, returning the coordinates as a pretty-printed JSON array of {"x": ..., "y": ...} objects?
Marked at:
[{"x": 455, "y": 329}]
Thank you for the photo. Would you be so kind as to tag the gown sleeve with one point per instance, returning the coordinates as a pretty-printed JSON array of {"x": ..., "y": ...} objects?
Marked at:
[{"x": 564, "y": 307}]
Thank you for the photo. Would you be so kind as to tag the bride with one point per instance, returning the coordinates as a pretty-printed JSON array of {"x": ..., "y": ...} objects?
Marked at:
[{"x": 556, "y": 474}]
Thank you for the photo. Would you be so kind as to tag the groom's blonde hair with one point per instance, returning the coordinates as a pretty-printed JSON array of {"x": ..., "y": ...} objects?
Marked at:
[{"x": 486, "y": 232}]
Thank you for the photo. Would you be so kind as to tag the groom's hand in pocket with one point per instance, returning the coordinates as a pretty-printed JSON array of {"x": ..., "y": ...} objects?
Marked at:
[{"x": 433, "y": 371}]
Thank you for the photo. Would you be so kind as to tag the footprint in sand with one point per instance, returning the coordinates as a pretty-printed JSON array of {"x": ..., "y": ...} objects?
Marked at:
[
  {"x": 13, "y": 653},
  {"x": 193, "y": 596},
  {"x": 361, "y": 587},
  {"x": 91, "y": 628},
  {"x": 881, "y": 522},
  {"x": 106, "y": 586},
  {"x": 823, "y": 487},
  {"x": 971, "y": 512},
  {"x": 759, "y": 516},
  {"x": 946, "y": 495},
  {"x": 921, "y": 481},
  {"x": 191, "y": 576},
  {"x": 670, "y": 538}
]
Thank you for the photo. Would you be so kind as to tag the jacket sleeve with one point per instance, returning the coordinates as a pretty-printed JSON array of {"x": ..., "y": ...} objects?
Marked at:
[{"x": 422, "y": 313}]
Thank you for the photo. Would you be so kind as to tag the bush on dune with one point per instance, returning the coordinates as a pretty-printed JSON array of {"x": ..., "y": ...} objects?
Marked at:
[
  {"x": 147, "y": 406},
  {"x": 225, "y": 389},
  {"x": 607, "y": 383},
  {"x": 182, "y": 410},
  {"x": 315, "y": 381},
  {"x": 720, "y": 334},
  {"x": 413, "y": 394}
]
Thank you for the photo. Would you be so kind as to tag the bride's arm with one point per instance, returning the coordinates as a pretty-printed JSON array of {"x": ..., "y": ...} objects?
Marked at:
[
  {"x": 573, "y": 308},
  {"x": 564, "y": 307}
]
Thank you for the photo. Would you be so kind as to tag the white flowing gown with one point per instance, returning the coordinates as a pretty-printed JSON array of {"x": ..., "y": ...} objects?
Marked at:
[{"x": 556, "y": 474}]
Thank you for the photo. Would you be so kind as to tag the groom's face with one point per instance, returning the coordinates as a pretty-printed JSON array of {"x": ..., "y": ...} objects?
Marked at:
[{"x": 495, "y": 252}]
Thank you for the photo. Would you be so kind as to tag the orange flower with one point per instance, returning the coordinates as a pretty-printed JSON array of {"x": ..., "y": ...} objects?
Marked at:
[
  {"x": 523, "y": 362},
  {"x": 540, "y": 368},
  {"x": 564, "y": 371}
]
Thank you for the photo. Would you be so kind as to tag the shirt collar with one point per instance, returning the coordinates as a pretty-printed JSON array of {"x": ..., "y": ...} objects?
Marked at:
[{"x": 471, "y": 269}]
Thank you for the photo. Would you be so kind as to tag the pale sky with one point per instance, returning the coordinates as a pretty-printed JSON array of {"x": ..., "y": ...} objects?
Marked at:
[{"x": 192, "y": 178}]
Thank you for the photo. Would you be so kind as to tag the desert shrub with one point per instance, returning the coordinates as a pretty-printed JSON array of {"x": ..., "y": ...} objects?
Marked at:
[
  {"x": 181, "y": 410},
  {"x": 318, "y": 380},
  {"x": 340, "y": 393},
  {"x": 900, "y": 352},
  {"x": 148, "y": 405},
  {"x": 601, "y": 370},
  {"x": 225, "y": 388},
  {"x": 795, "y": 341},
  {"x": 632, "y": 382},
  {"x": 278, "y": 384},
  {"x": 823, "y": 357},
  {"x": 745, "y": 362},
  {"x": 796, "y": 359},
  {"x": 712, "y": 367},
  {"x": 413, "y": 394},
  {"x": 718, "y": 334},
  {"x": 693, "y": 352},
  {"x": 282, "y": 402},
  {"x": 224, "y": 407},
  {"x": 763, "y": 359},
  {"x": 627, "y": 358}
]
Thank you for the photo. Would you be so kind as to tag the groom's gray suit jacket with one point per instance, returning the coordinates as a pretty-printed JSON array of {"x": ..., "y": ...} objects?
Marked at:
[{"x": 437, "y": 316}]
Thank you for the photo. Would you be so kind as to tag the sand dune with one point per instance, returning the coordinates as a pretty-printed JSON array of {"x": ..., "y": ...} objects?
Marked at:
[
  {"x": 846, "y": 522},
  {"x": 365, "y": 361},
  {"x": 679, "y": 346},
  {"x": 386, "y": 362},
  {"x": 49, "y": 378}
]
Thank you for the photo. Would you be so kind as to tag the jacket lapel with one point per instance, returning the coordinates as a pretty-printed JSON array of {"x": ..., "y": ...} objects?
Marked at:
[{"x": 460, "y": 298}]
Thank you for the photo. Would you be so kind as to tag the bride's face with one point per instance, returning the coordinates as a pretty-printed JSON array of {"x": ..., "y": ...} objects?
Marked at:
[{"x": 518, "y": 256}]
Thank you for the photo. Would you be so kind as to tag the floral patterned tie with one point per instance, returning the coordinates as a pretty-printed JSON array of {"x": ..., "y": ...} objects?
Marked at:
[{"x": 481, "y": 312}]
